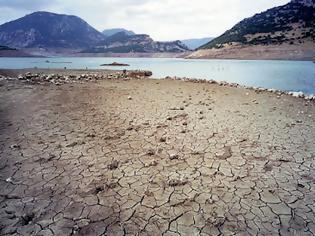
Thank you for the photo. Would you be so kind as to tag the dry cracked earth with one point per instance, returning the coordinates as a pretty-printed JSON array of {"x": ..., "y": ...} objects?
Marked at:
[{"x": 154, "y": 157}]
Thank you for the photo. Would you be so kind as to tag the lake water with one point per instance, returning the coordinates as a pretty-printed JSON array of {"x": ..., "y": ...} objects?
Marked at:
[{"x": 283, "y": 75}]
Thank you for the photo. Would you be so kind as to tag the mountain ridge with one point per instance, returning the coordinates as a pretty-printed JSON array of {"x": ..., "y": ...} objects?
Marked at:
[
  {"x": 60, "y": 32},
  {"x": 66, "y": 31},
  {"x": 138, "y": 43},
  {"x": 274, "y": 26}
]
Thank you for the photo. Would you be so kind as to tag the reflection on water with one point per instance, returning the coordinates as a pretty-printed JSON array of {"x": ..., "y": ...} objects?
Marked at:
[{"x": 283, "y": 75}]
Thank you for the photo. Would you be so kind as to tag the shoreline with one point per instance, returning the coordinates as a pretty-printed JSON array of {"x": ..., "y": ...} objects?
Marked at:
[
  {"x": 258, "y": 52},
  {"x": 103, "y": 153},
  {"x": 204, "y": 54},
  {"x": 8, "y": 73}
]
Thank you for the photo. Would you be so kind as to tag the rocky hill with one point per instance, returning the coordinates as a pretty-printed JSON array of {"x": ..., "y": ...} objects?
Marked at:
[
  {"x": 137, "y": 43},
  {"x": 64, "y": 33},
  {"x": 110, "y": 32},
  {"x": 48, "y": 30},
  {"x": 293, "y": 24}
]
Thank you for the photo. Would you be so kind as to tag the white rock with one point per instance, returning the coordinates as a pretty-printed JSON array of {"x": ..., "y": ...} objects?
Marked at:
[
  {"x": 297, "y": 94},
  {"x": 310, "y": 97},
  {"x": 9, "y": 180}
]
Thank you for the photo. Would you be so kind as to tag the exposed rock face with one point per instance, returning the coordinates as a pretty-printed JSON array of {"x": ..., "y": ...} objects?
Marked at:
[
  {"x": 124, "y": 43},
  {"x": 48, "y": 30},
  {"x": 292, "y": 23}
]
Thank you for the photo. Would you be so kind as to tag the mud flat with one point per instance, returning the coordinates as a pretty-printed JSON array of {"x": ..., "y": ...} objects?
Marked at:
[{"x": 154, "y": 157}]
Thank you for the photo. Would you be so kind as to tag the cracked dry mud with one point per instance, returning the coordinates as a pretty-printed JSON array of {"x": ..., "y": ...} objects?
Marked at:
[{"x": 155, "y": 157}]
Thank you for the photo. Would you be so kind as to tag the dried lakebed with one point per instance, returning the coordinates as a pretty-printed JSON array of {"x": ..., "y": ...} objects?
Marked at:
[{"x": 154, "y": 157}]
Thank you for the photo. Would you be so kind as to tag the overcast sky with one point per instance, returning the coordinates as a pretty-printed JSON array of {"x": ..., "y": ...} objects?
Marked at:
[{"x": 162, "y": 19}]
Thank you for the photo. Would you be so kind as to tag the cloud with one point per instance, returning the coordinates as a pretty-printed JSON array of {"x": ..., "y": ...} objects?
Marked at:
[
  {"x": 25, "y": 4},
  {"x": 162, "y": 19}
]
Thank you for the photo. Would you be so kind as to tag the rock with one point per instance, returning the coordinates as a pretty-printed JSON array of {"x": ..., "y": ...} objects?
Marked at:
[
  {"x": 268, "y": 167},
  {"x": 27, "y": 218},
  {"x": 297, "y": 94},
  {"x": 129, "y": 128},
  {"x": 174, "y": 156},
  {"x": 152, "y": 163},
  {"x": 15, "y": 146},
  {"x": 301, "y": 185},
  {"x": 150, "y": 152},
  {"x": 139, "y": 74},
  {"x": 163, "y": 139},
  {"x": 98, "y": 189},
  {"x": 9, "y": 180},
  {"x": 112, "y": 184},
  {"x": 129, "y": 98},
  {"x": 177, "y": 182},
  {"x": 310, "y": 97},
  {"x": 75, "y": 143},
  {"x": 91, "y": 135},
  {"x": 113, "y": 165},
  {"x": 225, "y": 153},
  {"x": 21, "y": 77}
]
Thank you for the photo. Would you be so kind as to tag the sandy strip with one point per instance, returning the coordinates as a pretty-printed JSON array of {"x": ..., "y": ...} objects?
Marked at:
[{"x": 154, "y": 157}]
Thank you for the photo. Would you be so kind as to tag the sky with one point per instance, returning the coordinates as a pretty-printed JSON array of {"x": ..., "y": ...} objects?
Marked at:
[{"x": 162, "y": 19}]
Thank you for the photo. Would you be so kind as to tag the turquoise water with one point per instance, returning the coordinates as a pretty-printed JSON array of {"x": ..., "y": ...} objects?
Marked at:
[{"x": 283, "y": 75}]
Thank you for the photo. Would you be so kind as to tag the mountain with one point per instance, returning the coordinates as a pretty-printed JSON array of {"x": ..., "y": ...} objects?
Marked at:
[
  {"x": 138, "y": 43},
  {"x": 195, "y": 43},
  {"x": 110, "y": 32},
  {"x": 293, "y": 23},
  {"x": 48, "y": 30}
]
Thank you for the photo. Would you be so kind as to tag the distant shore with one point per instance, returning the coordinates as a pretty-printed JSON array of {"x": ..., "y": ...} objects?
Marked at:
[
  {"x": 271, "y": 52},
  {"x": 70, "y": 53},
  {"x": 276, "y": 52}
]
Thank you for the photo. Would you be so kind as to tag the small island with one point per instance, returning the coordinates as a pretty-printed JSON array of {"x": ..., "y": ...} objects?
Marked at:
[{"x": 115, "y": 64}]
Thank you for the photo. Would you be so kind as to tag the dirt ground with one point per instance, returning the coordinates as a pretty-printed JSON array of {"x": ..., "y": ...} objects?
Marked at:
[{"x": 154, "y": 157}]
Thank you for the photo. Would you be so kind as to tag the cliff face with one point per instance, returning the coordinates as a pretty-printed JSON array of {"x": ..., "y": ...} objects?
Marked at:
[
  {"x": 139, "y": 43},
  {"x": 48, "y": 30}
]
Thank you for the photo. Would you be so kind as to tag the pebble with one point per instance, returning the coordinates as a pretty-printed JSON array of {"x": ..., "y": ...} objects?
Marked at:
[
  {"x": 177, "y": 182},
  {"x": 113, "y": 165},
  {"x": 15, "y": 146},
  {"x": 174, "y": 156},
  {"x": 163, "y": 139},
  {"x": 150, "y": 152},
  {"x": 9, "y": 180}
]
